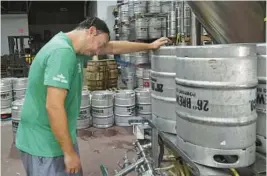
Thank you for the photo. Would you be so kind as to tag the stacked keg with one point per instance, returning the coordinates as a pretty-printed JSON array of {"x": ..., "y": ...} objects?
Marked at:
[
  {"x": 216, "y": 104},
  {"x": 153, "y": 6},
  {"x": 16, "y": 112},
  {"x": 163, "y": 67},
  {"x": 84, "y": 119},
  {"x": 141, "y": 28},
  {"x": 124, "y": 109},
  {"x": 97, "y": 74},
  {"x": 102, "y": 109},
  {"x": 143, "y": 103},
  {"x": 261, "y": 99},
  {"x": 124, "y": 21},
  {"x": 128, "y": 71},
  {"x": 6, "y": 93},
  {"x": 19, "y": 87},
  {"x": 154, "y": 27},
  {"x": 112, "y": 67},
  {"x": 143, "y": 77},
  {"x": 139, "y": 7}
]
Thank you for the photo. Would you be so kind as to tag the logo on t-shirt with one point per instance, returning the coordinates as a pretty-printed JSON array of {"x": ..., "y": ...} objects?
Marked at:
[
  {"x": 79, "y": 68},
  {"x": 61, "y": 78}
]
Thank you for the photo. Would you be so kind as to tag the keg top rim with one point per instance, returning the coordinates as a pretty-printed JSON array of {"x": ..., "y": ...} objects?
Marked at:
[{"x": 142, "y": 90}]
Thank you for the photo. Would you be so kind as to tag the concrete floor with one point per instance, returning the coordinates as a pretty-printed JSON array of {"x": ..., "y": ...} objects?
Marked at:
[{"x": 97, "y": 146}]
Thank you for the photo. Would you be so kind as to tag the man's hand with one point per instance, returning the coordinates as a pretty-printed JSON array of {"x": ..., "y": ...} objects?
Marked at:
[
  {"x": 159, "y": 42},
  {"x": 72, "y": 163}
]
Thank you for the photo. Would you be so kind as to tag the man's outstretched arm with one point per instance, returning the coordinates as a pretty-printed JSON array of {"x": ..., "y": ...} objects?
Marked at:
[{"x": 123, "y": 47}]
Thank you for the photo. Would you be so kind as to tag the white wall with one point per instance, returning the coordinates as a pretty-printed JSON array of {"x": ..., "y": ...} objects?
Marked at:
[
  {"x": 10, "y": 26},
  {"x": 104, "y": 12}
]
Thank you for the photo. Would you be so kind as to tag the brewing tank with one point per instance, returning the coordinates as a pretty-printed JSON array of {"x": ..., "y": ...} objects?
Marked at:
[
  {"x": 226, "y": 21},
  {"x": 216, "y": 103}
]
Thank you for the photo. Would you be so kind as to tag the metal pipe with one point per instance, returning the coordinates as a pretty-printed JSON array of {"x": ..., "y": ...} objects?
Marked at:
[
  {"x": 195, "y": 30},
  {"x": 130, "y": 168}
]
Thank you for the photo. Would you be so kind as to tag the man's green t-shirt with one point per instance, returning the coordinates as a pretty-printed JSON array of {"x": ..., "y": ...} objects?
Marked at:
[{"x": 57, "y": 65}]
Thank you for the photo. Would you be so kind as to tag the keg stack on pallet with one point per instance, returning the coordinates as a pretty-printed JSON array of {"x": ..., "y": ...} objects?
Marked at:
[
  {"x": 11, "y": 89},
  {"x": 206, "y": 97},
  {"x": 102, "y": 74},
  {"x": 147, "y": 21},
  {"x": 103, "y": 108},
  {"x": 12, "y": 97}
]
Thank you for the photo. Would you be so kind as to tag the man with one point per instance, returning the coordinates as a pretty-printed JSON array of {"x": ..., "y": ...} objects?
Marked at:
[{"x": 46, "y": 135}]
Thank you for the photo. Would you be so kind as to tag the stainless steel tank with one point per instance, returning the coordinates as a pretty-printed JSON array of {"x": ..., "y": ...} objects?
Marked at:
[
  {"x": 141, "y": 28},
  {"x": 141, "y": 57},
  {"x": 153, "y": 6},
  {"x": 154, "y": 27},
  {"x": 163, "y": 88},
  {"x": 6, "y": 93},
  {"x": 143, "y": 103},
  {"x": 124, "y": 32},
  {"x": 216, "y": 104},
  {"x": 171, "y": 24},
  {"x": 187, "y": 20},
  {"x": 261, "y": 98},
  {"x": 164, "y": 27},
  {"x": 19, "y": 88},
  {"x": 102, "y": 109},
  {"x": 166, "y": 6},
  {"x": 143, "y": 77},
  {"x": 139, "y": 7},
  {"x": 226, "y": 21},
  {"x": 124, "y": 13},
  {"x": 84, "y": 119},
  {"x": 124, "y": 109},
  {"x": 16, "y": 112}
]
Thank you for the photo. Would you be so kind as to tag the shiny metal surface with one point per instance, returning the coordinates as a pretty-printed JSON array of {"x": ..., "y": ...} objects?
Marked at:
[
  {"x": 140, "y": 57},
  {"x": 15, "y": 112},
  {"x": 261, "y": 98},
  {"x": 124, "y": 13},
  {"x": 153, "y": 6},
  {"x": 163, "y": 67},
  {"x": 19, "y": 87},
  {"x": 154, "y": 28},
  {"x": 124, "y": 32},
  {"x": 139, "y": 7},
  {"x": 187, "y": 20},
  {"x": 166, "y": 6},
  {"x": 6, "y": 93},
  {"x": 102, "y": 109},
  {"x": 226, "y": 21},
  {"x": 141, "y": 28},
  {"x": 143, "y": 77},
  {"x": 171, "y": 24},
  {"x": 143, "y": 103},
  {"x": 124, "y": 109},
  {"x": 84, "y": 119},
  {"x": 216, "y": 98}
]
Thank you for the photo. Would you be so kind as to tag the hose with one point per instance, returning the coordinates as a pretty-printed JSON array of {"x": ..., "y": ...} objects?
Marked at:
[
  {"x": 235, "y": 173},
  {"x": 166, "y": 168},
  {"x": 161, "y": 150}
]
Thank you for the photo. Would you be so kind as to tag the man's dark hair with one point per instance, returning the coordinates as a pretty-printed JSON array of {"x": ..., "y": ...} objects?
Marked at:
[{"x": 96, "y": 22}]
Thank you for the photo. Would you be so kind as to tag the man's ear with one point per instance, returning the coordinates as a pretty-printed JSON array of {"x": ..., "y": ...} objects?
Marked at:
[{"x": 91, "y": 30}]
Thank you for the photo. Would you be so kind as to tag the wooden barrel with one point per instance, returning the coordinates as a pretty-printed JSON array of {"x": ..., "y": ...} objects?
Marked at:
[
  {"x": 112, "y": 73},
  {"x": 97, "y": 75}
]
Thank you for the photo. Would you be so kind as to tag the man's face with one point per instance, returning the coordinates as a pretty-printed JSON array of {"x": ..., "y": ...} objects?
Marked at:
[{"x": 95, "y": 41}]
